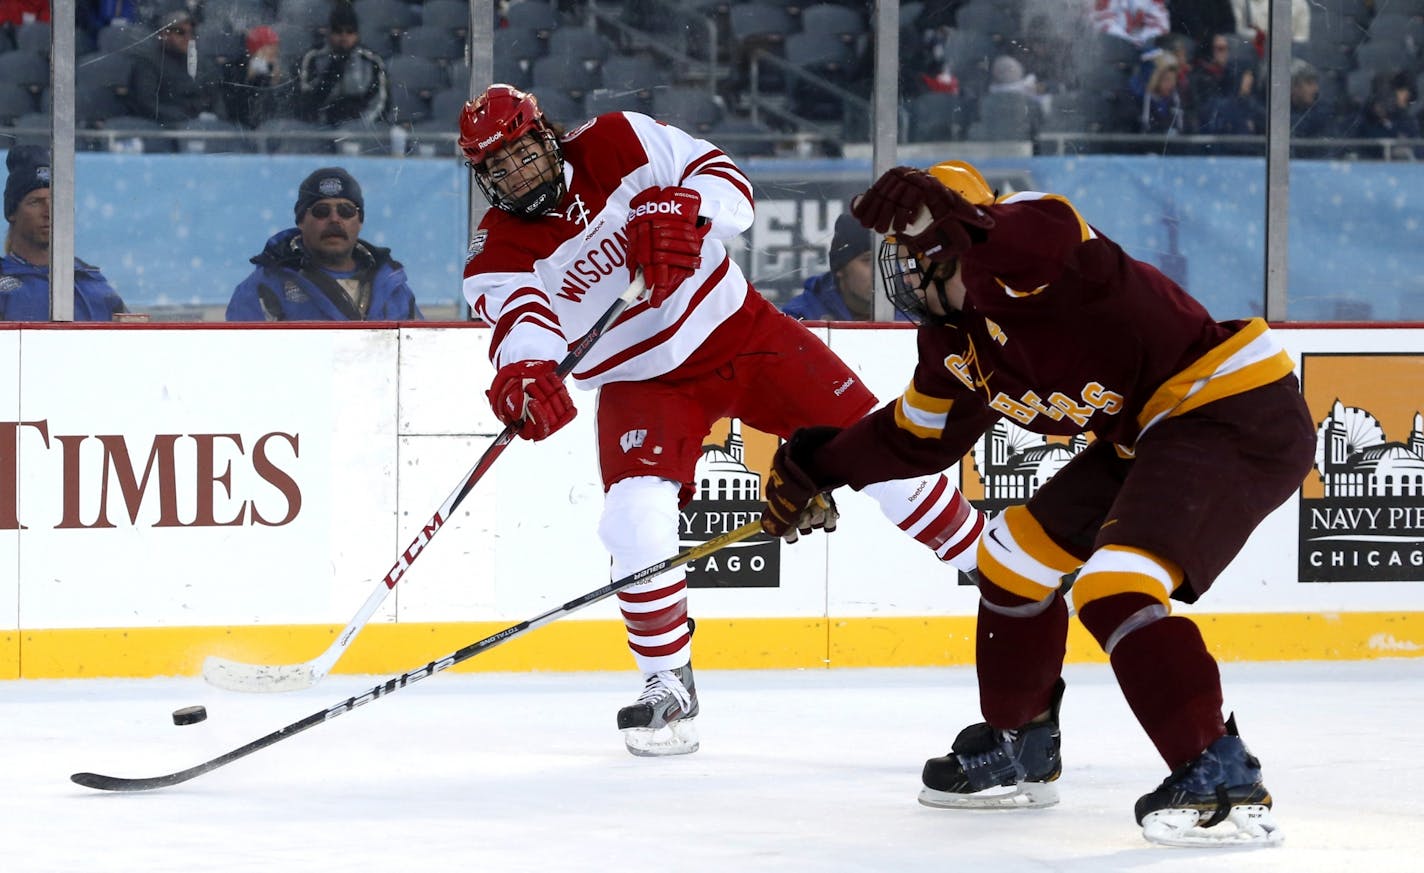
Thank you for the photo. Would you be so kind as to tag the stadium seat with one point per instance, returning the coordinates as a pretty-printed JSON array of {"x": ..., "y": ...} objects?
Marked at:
[
  {"x": 38, "y": 124},
  {"x": 601, "y": 101},
  {"x": 432, "y": 139},
  {"x": 272, "y": 134},
  {"x": 309, "y": 13},
  {"x": 233, "y": 140},
  {"x": 435, "y": 43},
  {"x": 826, "y": 57},
  {"x": 120, "y": 37},
  {"x": 743, "y": 138},
  {"x": 564, "y": 75},
  {"x": 633, "y": 73},
  {"x": 452, "y": 15},
  {"x": 755, "y": 24},
  {"x": 96, "y": 103},
  {"x": 359, "y": 137},
  {"x": 1007, "y": 116},
  {"x": 936, "y": 116},
  {"x": 509, "y": 70},
  {"x": 14, "y": 103},
  {"x": 26, "y": 69},
  {"x": 1384, "y": 56},
  {"x": 133, "y": 129},
  {"x": 831, "y": 18},
  {"x": 692, "y": 109},
  {"x": 390, "y": 17},
  {"x": 417, "y": 74},
  {"x": 112, "y": 71},
  {"x": 447, "y": 105},
  {"x": 561, "y": 108},
  {"x": 222, "y": 47},
  {"x": 581, "y": 44},
  {"x": 33, "y": 37},
  {"x": 536, "y": 14}
]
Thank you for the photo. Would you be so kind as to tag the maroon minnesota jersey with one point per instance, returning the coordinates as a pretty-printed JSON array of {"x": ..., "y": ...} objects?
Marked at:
[{"x": 1062, "y": 333}]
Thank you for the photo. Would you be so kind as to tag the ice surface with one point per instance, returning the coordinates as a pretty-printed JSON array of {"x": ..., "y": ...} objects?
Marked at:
[{"x": 799, "y": 771}]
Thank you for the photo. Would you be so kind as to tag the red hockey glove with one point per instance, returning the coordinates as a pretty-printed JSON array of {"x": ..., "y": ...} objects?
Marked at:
[
  {"x": 795, "y": 502},
  {"x": 531, "y": 391},
  {"x": 930, "y": 219},
  {"x": 664, "y": 239}
]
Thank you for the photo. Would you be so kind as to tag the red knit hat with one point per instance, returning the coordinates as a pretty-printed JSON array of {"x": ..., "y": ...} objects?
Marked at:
[{"x": 259, "y": 38}]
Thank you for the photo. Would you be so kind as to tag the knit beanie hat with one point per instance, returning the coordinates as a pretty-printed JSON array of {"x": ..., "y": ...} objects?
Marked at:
[
  {"x": 849, "y": 242},
  {"x": 329, "y": 182},
  {"x": 29, "y": 169}
]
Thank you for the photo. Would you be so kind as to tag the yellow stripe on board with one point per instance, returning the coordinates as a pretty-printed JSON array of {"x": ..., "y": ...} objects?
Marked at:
[{"x": 721, "y": 644}]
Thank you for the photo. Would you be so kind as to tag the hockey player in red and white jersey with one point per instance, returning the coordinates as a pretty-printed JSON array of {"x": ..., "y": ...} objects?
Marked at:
[
  {"x": 576, "y": 215},
  {"x": 1028, "y": 312}
]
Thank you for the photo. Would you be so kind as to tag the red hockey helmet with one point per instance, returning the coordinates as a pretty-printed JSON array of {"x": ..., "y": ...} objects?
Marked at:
[{"x": 497, "y": 120}]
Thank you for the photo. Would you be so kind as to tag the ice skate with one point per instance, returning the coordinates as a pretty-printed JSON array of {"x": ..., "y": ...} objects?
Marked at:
[
  {"x": 1216, "y": 800},
  {"x": 661, "y": 721},
  {"x": 988, "y": 768}
]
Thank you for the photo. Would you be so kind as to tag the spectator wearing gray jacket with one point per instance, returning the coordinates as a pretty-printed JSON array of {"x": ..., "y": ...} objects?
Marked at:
[{"x": 344, "y": 80}]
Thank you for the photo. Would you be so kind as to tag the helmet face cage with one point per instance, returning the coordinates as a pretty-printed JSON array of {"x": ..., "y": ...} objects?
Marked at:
[
  {"x": 908, "y": 280},
  {"x": 537, "y": 195},
  {"x": 502, "y": 118}
]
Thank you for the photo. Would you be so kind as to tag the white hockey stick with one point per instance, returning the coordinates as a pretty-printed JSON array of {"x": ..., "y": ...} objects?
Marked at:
[{"x": 240, "y": 676}]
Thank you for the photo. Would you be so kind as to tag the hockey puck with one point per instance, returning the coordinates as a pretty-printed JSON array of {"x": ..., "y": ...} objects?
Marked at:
[{"x": 190, "y": 715}]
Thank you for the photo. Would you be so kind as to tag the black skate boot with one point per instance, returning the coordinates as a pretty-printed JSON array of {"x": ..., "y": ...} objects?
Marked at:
[
  {"x": 985, "y": 761},
  {"x": 661, "y": 721},
  {"x": 1216, "y": 800}
]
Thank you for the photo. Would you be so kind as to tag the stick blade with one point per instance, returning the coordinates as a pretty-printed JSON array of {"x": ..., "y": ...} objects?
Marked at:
[
  {"x": 118, "y": 783},
  {"x": 258, "y": 678}
]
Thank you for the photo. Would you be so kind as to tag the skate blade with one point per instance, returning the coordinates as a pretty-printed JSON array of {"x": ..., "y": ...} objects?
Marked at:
[
  {"x": 677, "y": 738},
  {"x": 1025, "y": 795},
  {"x": 1250, "y": 826}
]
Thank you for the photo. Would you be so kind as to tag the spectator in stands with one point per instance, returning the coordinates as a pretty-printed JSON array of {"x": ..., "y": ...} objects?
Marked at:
[
  {"x": 1239, "y": 112},
  {"x": 261, "y": 89},
  {"x": 1007, "y": 76},
  {"x": 16, "y": 13},
  {"x": 321, "y": 270},
  {"x": 1139, "y": 22},
  {"x": 1208, "y": 76},
  {"x": 345, "y": 80},
  {"x": 1201, "y": 20},
  {"x": 1154, "y": 86},
  {"x": 847, "y": 291},
  {"x": 1309, "y": 120},
  {"x": 1253, "y": 20},
  {"x": 1386, "y": 114},
  {"x": 24, "y": 269},
  {"x": 161, "y": 85}
]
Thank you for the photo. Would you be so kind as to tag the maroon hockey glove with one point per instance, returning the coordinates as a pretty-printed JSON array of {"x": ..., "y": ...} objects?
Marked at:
[
  {"x": 531, "y": 391},
  {"x": 930, "y": 219},
  {"x": 664, "y": 239},
  {"x": 795, "y": 502}
]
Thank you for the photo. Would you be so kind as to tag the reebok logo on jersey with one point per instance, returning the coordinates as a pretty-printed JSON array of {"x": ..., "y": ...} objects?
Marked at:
[
  {"x": 844, "y": 386},
  {"x": 633, "y": 439},
  {"x": 664, "y": 207}
]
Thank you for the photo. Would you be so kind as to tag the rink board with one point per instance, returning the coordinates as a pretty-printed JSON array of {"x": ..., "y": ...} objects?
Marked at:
[{"x": 242, "y": 490}]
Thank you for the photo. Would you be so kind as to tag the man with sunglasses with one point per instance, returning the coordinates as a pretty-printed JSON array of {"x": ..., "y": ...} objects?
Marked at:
[
  {"x": 576, "y": 216},
  {"x": 343, "y": 80},
  {"x": 321, "y": 270},
  {"x": 1029, "y": 313},
  {"x": 173, "y": 83}
]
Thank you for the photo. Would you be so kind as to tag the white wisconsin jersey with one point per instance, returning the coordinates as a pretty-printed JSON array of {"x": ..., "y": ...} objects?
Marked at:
[{"x": 542, "y": 284}]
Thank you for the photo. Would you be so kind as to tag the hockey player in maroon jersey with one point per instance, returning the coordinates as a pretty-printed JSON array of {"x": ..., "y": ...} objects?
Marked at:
[
  {"x": 1028, "y": 312},
  {"x": 576, "y": 215}
]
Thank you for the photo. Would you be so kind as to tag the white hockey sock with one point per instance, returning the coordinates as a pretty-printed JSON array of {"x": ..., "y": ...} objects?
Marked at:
[
  {"x": 933, "y": 511},
  {"x": 639, "y": 528}
]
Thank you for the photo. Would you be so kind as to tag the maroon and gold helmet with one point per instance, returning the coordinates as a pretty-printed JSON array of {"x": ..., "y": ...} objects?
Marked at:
[{"x": 499, "y": 120}]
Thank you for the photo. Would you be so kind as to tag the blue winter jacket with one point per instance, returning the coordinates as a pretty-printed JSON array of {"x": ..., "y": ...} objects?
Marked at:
[
  {"x": 24, "y": 292},
  {"x": 820, "y": 300},
  {"x": 286, "y": 287}
]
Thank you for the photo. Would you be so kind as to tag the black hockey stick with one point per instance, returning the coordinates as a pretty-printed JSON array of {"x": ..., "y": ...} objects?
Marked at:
[
  {"x": 390, "y": 686},
  {"x": 240, "y": 676}
]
